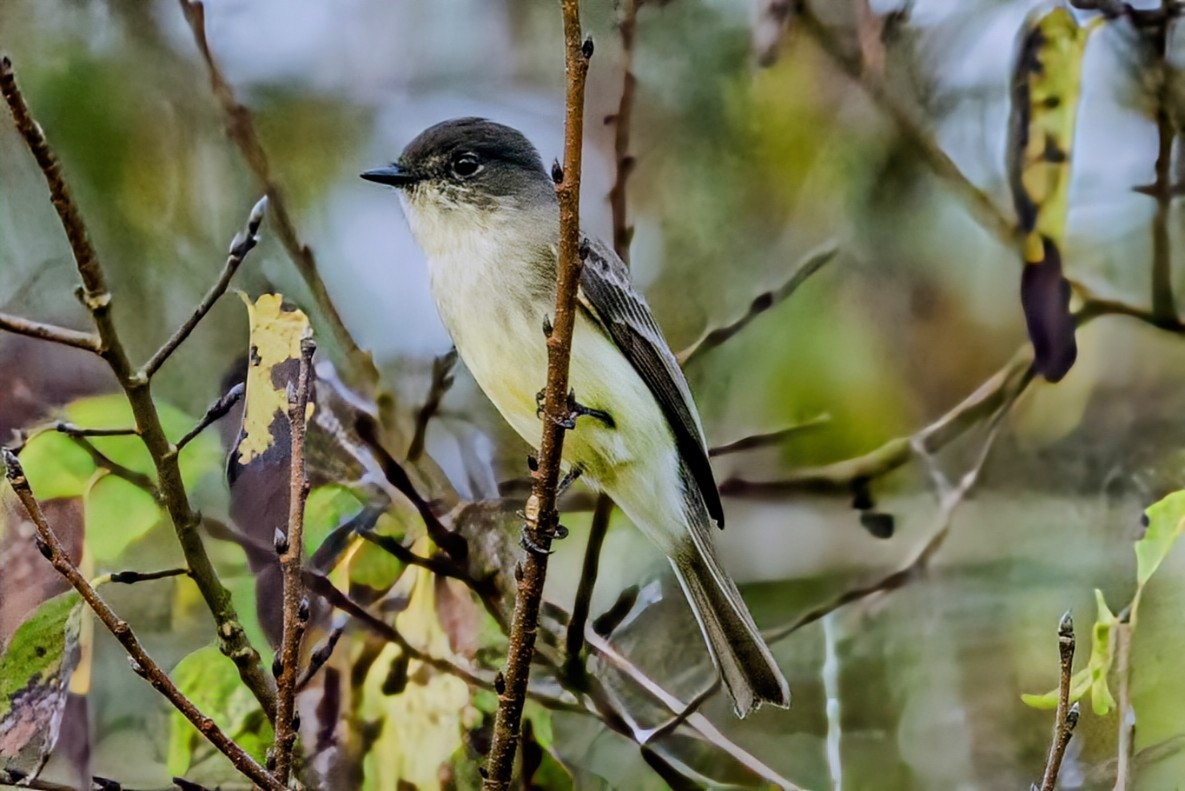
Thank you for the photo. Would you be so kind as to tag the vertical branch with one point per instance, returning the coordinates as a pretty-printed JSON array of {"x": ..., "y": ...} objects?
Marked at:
[
  {"x": 1127, "y": 714},
  {"x": 541, "y": 516},
  {"x": 624, "y": 163},
  {"x": 623, "y": 234},
  {"x": 1163, "y": 304},
  {"x": 144, "y": 666},
  {"x": 291, "y": 549},
  {"x": 588, "y": 581},
  {"x": 97, "y": 299},
  {"x": 1066, "y": 716}
]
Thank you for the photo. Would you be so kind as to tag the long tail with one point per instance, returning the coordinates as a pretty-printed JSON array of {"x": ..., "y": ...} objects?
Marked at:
[{"x": 745, "y": 662}]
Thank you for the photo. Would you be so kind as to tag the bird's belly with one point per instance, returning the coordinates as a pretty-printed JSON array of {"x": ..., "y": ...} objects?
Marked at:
[{"x": 509, "y": 361}]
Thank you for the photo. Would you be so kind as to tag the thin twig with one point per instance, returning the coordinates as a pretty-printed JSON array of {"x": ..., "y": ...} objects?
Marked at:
[
  {"x": 681, "y": 717},
  {"x": 588, "y": 581},
  {"x": 812, "y": 263},
  {"x": 442, "y": 380},
  {"x": 369, "y": 431},
  {"x": 105, "y": 462},
  {"x": 623, "y": 232},
  {"x": 694, "y": 720},
  {"x": 216, "y": 411},
  {"x": 1066, "y": 716},
  {"x": 838, "y": 476},
  {"x": 87, "y": 341},
  {"x": 241, "y": 129},
  {"x": 71, "y": 430},
  {"x": 132, "y": 577},
  {"x": 1125, "y": 748},
  {"x": 142, "y": 663},
  {"x": 242, "y": 244},
  {"x": 320, "y": 656},
  {"x": 296, "y": 603},
  {"x": 756, "y": 441},
  {"x": 97, "y": 299},
  {"x": 949, "y": 498},
  {"x": 912, "y": 132},
  {"x": 322, "y": 586},
  {"x": 1163, "y": 303},
  {"x": 541, "y": 516}
]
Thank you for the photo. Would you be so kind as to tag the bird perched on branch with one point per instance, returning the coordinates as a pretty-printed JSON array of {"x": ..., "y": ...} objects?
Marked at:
[{"x": 485, "y": 212}]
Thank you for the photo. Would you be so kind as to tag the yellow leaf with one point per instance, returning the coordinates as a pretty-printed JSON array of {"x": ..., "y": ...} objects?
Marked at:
[
  {"x": 424, "y": 723},
  {"x": 276, "y": 332}
]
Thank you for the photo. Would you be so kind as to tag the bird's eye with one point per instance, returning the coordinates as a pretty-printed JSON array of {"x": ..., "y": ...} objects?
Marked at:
[{"x": 466, "y": 165}]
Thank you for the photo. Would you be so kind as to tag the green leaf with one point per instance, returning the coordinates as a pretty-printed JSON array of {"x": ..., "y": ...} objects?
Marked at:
[
  {"x": 35, "y": 672},
  {"x": 1101, "y": 657},
  {"x": 373, "y": 567},
  {"x": 1093, "y": 677},
  {"x": 1166, "y": 521},
  {"x": 540, "y": 718},
  {"x": 200, "y": 457},
  {"x": 486, "y": 701},
  {"x": 549, "y": 773},
  {"x": 56, "y": 466},
  {"x": 327, "y": 508},
  {"x": 1079, "y": 684},
  {"x": 117, "y": 513},
  {"x": 212, "y": 682}
]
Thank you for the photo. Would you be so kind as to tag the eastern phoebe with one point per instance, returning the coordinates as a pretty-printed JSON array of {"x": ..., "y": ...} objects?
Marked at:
[{"x": 484, "y": 210}]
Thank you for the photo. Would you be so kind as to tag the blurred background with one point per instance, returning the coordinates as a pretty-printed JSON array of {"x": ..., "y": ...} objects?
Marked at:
[{"x": 753, "y": 148}]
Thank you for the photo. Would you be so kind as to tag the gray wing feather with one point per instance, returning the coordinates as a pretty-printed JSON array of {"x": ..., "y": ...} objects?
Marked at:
[{"x": 611, "y": 302}]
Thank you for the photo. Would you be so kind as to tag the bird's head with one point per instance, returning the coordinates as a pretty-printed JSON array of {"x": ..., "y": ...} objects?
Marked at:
[{"x": 467, "y": 165}]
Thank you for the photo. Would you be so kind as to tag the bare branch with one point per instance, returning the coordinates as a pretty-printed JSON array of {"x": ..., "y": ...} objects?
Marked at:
[
  {"x": 242, "y": 244},
  {"x": 1005, "y": 384},
  {"x": 71, "y": 430},
  {"x": 320, "y": 656},
  {"x": 1066, "y": 717},
  {"x": 949, "y": 497},
  {"x": 216, "y": 411},
  {"x": 97, "y": 299},
  {"x": 241, "y": 129},
  {"x": 87, "y": 341},
  {"x": 623, "y": 232},
  {"x": 542, "y": 518},
  {"x": 588, "y": 581},
  {"x": 1164, "y": 305},
  {"x": 694, "y": 720},
  {"x": 296, "y": 602},
  {"x": 442, "y": 380},
  {"x": 94, "y": 284},
  {"x": 756, "y": 441},
  {"x": 142, "y": 663},
  {"x": 1127, "y": 714},
  {"x": 812, "y": 263},
  {"x": 103, "y": 461},
  {"x": 133, "y": 577},
  {"x": 322, "y": 586}
]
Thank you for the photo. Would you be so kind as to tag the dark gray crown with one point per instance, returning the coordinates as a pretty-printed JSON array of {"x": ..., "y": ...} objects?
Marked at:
[{"x": 494, "y": 143}]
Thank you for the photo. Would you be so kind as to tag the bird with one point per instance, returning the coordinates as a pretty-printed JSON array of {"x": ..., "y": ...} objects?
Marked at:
[{"x": 484, "y": 210}]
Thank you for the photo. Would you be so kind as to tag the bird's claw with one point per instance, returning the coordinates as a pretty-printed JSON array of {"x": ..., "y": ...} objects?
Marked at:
[
  {"x": 575, "y": 410},
  {"x": 569, "y": 478},
  {"x": 527, "y": 542}
]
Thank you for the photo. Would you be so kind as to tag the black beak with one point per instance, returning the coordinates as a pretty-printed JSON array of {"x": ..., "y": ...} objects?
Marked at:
[{"x": 392, "y": 174}]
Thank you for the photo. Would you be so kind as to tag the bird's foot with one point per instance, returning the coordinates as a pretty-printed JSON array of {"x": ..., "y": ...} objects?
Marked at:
[
  {"x": 575, "y": 410},
  {"x": 529, "y": 542},
  {"x": 569, "y": 479}
]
